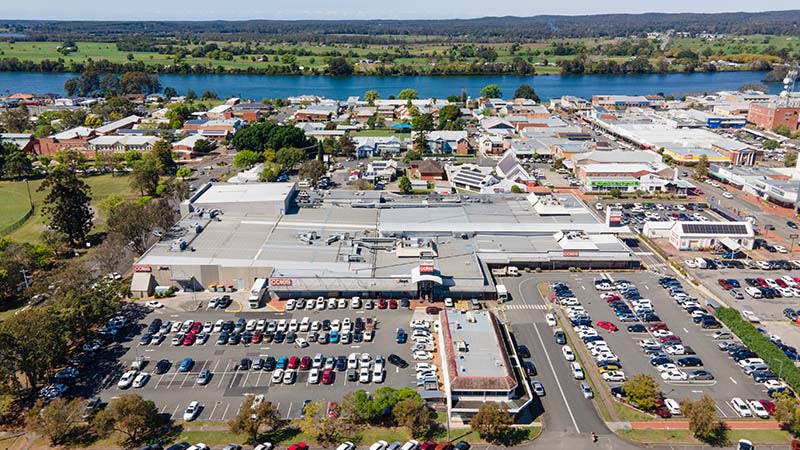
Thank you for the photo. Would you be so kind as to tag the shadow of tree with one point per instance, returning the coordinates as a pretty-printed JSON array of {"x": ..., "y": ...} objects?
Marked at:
[
  {"x": 512, "y": 436},
  {"x": 718, "y": 437}
]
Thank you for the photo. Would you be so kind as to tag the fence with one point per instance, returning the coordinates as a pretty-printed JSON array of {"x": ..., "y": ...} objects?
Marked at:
[{"x": 18, "y": 223}]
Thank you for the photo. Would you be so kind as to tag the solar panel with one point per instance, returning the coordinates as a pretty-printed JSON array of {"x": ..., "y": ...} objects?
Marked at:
[{"x": 714, "y": 228}]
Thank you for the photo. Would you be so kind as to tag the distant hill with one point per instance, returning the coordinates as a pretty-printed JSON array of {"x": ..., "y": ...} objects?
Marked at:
[{"x": 482, "y": 29}]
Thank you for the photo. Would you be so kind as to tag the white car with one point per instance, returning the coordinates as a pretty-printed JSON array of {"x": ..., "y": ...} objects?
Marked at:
[
  {"x": 567, "y": 351},
  {"x": 378, "y": 375},
  {"x": 448, "y": 302},
  {"x": 741, "y": 408},
  {"x": 673, "y": 406},
  {"x": 662, "y": 333},
  {"x": 550, "y": 319},
  {"x": 419, "y": 323},
  {"x": 141, "y": 380},
  {"x": 727, "y": 194},
  {"x": 127, "y": 379},
  {"x": 577, "y": 371},
  {"x": 291, "y": 304},
  {"x": 320, "y": 304},
  {"x": 341, "y": 303},
  {"x": 690, "y": 263},
  {"x": 781, "y": 249},
  {"x": 313, "y": 376},
  {"x": 191, "y": 411},
  {"x": 750, "y": 316},
  {"x": 758, "y": 409},
  {"x": 218, "y": 326},
  {"x": 674, "y": 375},
  {"x": 421, "y": 355},
  {"x": 289, "y": 377},
  {"x": 676, "y": 349},
  {"x": 154, "y": 304},
  {"x": 364, "y": 375},
  {"x": 352, "y": 361},
  {"x": 277, "y": 376},
  {"x": 666, "y": 367},
  {"x": 616, "y": 376},
  {"x": 355, "y": 303}
]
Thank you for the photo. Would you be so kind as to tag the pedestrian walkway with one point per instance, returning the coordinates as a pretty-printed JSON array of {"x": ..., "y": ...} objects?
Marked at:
[
  {"x": 684, "y": 425},
  {"x": 537, "y": 307}
]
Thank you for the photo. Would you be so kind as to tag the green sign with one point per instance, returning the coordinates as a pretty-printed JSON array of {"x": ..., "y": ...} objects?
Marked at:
[{"x": 615, "y": 183}]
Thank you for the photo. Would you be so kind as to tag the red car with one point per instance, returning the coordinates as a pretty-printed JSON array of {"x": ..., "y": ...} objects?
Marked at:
[
  {"x": 612, "y": 298},
  {"x": 298, "y": 446},
  {"x": 769, "y": 406},
  {"x": 327, "y": 376},
  {"x": 797, "y": 280},
  {"x": 658, "y": 326},
  {"x": 305, "y": 363},
  {"x": 189, "y": 339},
  {"x": 672, "y": 339},
  {"x": 294, "y": 361},
  {"x": 607, "y": 326},
  {"x": 382, "y": 303},
  {"x": 392, "y": 304},
  {"x": 762, "y": 282},
  {"x": 197, "y": 327},
  {"x": 663, "y": 412},
  {"x": 428, "y": 445},
  {"x": 725, "y": 285},
  {"x": 257, "y": 337},
  {"x": 333, "y": 409},
  {"x": 781, "y": 283}
]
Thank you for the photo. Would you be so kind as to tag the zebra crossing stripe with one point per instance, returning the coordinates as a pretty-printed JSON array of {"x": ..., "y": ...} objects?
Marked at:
[{"x": 537, "y": 307}]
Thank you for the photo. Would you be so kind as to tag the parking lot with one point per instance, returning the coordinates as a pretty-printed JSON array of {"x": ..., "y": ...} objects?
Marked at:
[
  {"x": 729, "y": 380},
  {"x": 221, "y": 396}
]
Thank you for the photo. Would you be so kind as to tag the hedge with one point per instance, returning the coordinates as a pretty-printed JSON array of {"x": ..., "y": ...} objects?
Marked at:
[{"x": 759, "y": 344}]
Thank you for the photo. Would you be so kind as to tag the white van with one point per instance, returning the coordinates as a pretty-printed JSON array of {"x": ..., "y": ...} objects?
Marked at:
[
  {"x": 753, "y": 292},
  {"x": 257, "y": 292}
]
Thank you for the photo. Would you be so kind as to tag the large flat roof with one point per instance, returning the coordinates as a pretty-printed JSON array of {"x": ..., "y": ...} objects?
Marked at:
[
  {"x": 242, "y": 193},
  {"x": 476, "y": 356}
]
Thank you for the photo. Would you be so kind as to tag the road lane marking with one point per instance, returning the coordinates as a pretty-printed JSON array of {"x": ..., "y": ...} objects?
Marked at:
[{"x": 558, "y": 383}]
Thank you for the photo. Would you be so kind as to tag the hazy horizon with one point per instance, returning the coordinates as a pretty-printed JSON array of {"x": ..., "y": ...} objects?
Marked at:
[{"x": 204, "y": 10}]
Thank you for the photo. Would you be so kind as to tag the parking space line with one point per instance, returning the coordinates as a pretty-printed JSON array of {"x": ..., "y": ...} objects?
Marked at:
[
  {"x": 211, "y": 416},
  {"x": 172, "y": 380},
  {"x": 720, "y": 410},
  {"x": 555, "y": 375},
  {"x": 222, "y": 378},
  {"x": 734, "y": 381},
  {"x": 176, "y": 410},
  {"x": 289, "y": 412},
  {"x": 246, "y": 377},
  {"x": 224, "y": 413},
  {"x": 233, "y": 377}
]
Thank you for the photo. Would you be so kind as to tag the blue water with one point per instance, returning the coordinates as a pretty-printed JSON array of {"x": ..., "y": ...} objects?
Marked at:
[{"x": 550, "y": 86}]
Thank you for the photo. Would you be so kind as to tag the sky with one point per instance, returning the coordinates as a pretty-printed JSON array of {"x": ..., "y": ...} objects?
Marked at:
[{"x": 355, "y": 9}]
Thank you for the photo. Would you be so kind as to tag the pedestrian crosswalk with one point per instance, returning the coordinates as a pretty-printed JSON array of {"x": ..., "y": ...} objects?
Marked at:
[{"x": 536, "y": 307}]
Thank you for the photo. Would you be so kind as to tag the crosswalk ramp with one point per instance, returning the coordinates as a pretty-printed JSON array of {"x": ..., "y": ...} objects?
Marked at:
[{"x": 535, "y": 307}]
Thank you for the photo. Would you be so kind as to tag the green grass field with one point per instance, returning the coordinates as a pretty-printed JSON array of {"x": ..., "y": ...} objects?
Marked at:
[
  {"x": 14, "y": 203},
  {"x": 424, "y": 53}
]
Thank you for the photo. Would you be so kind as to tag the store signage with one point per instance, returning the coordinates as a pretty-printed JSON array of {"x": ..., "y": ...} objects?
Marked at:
[
  {"x": 615, "y": 183},
  {"x": 280, "y": 281},
  {"x": 426, "y": 268},
  {"x": 571, "y": 253},
  {"x": 141, "y": 268}
]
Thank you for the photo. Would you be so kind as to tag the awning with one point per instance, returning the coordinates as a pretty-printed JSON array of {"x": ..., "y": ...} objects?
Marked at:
[
  {"x": 730, "y": 243},
  {"x": 416, "y": 276}
]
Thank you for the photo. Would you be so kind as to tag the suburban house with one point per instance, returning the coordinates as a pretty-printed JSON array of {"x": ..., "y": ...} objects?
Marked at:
[
  {"x": 428, "y": 170},
  {"x": 471, "y": 178},
  {"x": 250, "y": 112},
  {"x": 385, "y": 169},
  {"x": 367, "y": 147},
  {"x": 312, "y": 115},
  {"x": 496, "y": 125},
  {"x": 491, "y": 144},
  {"x": 213, "y": 129},
  {"x": 447, "y": 142}
]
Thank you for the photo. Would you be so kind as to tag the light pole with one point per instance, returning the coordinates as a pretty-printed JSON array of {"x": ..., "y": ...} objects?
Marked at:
[{"x": 30, "y": 198}]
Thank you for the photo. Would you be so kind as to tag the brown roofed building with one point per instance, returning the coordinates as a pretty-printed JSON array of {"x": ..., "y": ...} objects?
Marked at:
[
  {"x": 477, "y": 365},
  {"x": 427, "y": 169}
]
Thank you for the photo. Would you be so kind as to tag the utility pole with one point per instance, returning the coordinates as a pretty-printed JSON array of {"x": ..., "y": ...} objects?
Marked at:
[{"x": 30, "y": 198}]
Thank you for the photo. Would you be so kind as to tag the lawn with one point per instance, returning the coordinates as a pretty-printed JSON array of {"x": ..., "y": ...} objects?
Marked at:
[
  {"x": 14, "y": 201},
  {"x": 629, "y": 414},
  {"x": 685, "y": 436}
]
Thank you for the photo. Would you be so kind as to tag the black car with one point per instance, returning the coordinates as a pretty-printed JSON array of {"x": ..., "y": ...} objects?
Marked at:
[
  {"x": 462, "y": 445},
  {"x": 660, "y": 360},
  {"x": 227, "y": 326},
  {"x": 154, "y": 326},
  {"x": 637, "y": 328},
  {"x": 790, "y": 314},
  {"x": 561, "y": 338},
  {"x": 701, "y": 375},
  {"x": 690, "y": 361},
  {"x": 280, "y": 336},
  {"x": 352, "y": 375},
  {"x": 397, "y": 361},
  {"x": 162, "y": 366},
  {"x": 710, "y": 323},
  {"x": 358, "y": 336},
  {"x": 530, "y": 369},
  {"x": 326, "y": 325},
  {"x": 269, "y": 363},
  {"x": 145, "y": 339},
  {"x": 618, "y": 392},
  {"x": 240, "y": 324},
  {"x": 341, "y": 363},
  {"x": 245, "y": 364},
  {"x": 791, "y": 224},
  {"x": 761, "y": 376},
  {"x": 291, "y": 337},
  {"x": 247, "y": 337},
  {"x": 258, "y": 364},
  {"x": 405, "y": 303},
  {"x": 222, "y": 339},
  {"x": 523, "y": 351},
  {"x": 224, "y": 302},
  {"x": 234, "y": 339}
]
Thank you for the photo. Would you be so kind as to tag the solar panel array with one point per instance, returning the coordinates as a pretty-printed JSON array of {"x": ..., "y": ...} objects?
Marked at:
[{"x": 714, "y": 228}]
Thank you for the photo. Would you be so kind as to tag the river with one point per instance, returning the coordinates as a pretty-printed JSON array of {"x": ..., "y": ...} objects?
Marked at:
[{"x": 550, "y": 86}]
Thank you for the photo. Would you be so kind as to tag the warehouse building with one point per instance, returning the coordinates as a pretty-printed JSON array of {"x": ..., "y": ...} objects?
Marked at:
[{"x": 703, "y": 235}]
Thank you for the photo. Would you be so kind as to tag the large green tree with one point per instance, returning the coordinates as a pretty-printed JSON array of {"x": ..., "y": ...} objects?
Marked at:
[
  {"x": 312, "y": 170},
  {"x": 165, "y": 161},
  {"x": 252, "y": 421},
  {"x": 34, "y": 342},
  {"x": 422, "y": 122},
  {"x": 144, "y": 176},
  {"x": 526, "y": 91},
  {"x": 289, "y": 157},
  {"x": 408, "y": 94},
  {"x": 130, "y": 415},
  {"x": 492, "y": 421},
  {"x": 702, "y": 416},
  {"x": 491, "y": 91},
  {"x": 642, "y": 391},
  {"x": 405, "y": 185},
  {"x": 57, "y": 419},
  {"x": 15, "y": 120},
  {"x": 370, "y": 96},
  {"x": 66, "y": 204},
  {"x": 269, "y": 135},
  {"x": 415, "y": 415}
]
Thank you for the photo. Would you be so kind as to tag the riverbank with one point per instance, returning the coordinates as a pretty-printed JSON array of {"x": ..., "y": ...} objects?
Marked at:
[{"x": 257, "y": 87}]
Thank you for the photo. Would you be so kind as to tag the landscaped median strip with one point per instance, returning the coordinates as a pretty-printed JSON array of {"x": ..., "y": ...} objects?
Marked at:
[
  {"x": 684, "y": 425},
  {"x": 773, "y": 356}
]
